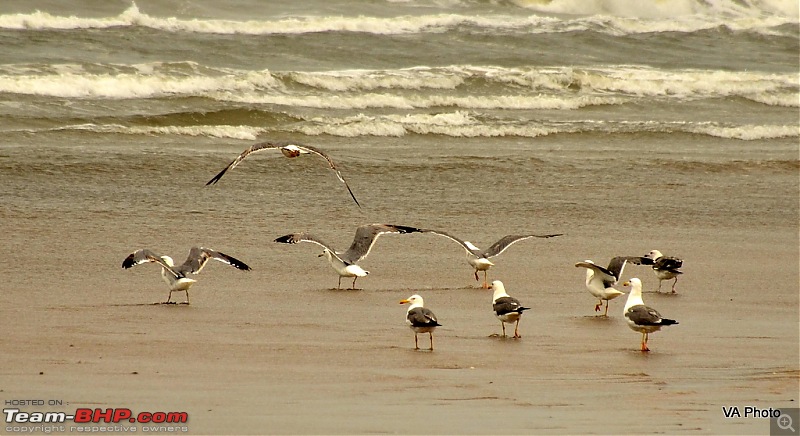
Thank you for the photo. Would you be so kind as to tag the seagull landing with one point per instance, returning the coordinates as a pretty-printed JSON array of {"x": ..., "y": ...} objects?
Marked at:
[
  {"x": 345, "y": 263},
  {"x": 641, "y": 318},
  {"x": 506, "y": 308},
  {"x": 479, "y": 259},
  {"x": 600, "y": 281},
  {"x": 289, "y": 150},
  {"x": 420, "y": 319},
  {"x": 176, "y": 276}
]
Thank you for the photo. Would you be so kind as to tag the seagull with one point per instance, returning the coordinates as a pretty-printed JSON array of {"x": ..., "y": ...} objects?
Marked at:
[
  {"x": 642, "y": 318},
  {"x": 176, "y": 276},
  {"x": 479, "y": 259},
  {"x": 420, "y": 319},
  {"x": 664, "y": 267},
  {"x": 289, "y": 150},
  {"x": 345, "y": 263},
  {"x": 506, "y": 308},
  {"x": 600, "y": 281}
]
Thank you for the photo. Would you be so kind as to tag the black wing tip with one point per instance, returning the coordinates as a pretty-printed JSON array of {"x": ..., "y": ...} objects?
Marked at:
[
  {"x": 408, "y": 229},
  {"x": 286, "y": 239},
  {"x": 665, "y": 321},
  {"x": 216, "y": 178},
  {"x": 128, "y": 262},
  {"x": 241, "y": 265}
]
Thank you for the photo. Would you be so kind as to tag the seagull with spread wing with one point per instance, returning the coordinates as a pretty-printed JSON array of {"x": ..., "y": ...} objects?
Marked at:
[
  {"x": 289, "y": 150},
  {"x": 177, "y": 276},
  {"x": 479, "y": 259},
  {"x": 344, "y": 263},
  {"x": 600, "y": 281}
]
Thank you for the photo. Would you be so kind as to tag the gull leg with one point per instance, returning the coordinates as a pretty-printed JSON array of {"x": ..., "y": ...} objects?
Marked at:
[
  {"x": 644, "y": 342},
  {"x": 674, "y": 283},
  {"x": 416, "y": 342},
  {"x": 431, "y": 335},
  {"x": 354, "y": 282},
  {"x": 598, "y": 306},
  {"x": 476, "y": 275},
  {"x": 502, "y": 324},
  {"x": 485, "y": 279},
  {"x": 187, "y": 296},
  {"x": 339, "y": 286},
  {"x": 606, "y": 314},
  {"x": 169, "y": 298},
  {"x": 516, "y": 330},
  {"x": 659, "y": 285}
]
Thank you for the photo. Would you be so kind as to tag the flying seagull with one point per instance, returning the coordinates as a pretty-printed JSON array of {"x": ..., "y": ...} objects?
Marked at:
[
  {"x": 289, "y": 150},
  {"x": 479, "y": 259},
  {"x": 345, "y": 263},
  {"x": 420, "y": 319},
  {"x": 600, "y": 281},
  {"x": 506, "y": 308},
  {"x": 641, "y": 318},
  {"x": 665, "y": 268},
  {"x": 176, "y": 276}
]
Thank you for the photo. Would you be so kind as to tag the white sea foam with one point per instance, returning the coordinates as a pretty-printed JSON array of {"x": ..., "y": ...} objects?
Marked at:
[
  {"x": 747, "y": 133},
  {"x": 216, "y": 131},
  {"x": 610, "y": 16},
  {"x": 509, "y": 88}
]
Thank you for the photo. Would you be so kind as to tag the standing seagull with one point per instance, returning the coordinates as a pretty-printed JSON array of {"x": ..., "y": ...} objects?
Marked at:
[
  {"x": 642, "y": 318},
  {"x": 345, "y": 263},
  {"x": 506, "y": 308},
  {"x": 600, "y": 281},
  {"x": 420, "y": 319},
  {"x": 176, "y": 277},
  {"x": 480, "y": 259},
  {"x": 289, "y": 150},
  {"x": 664, "y": 267}
]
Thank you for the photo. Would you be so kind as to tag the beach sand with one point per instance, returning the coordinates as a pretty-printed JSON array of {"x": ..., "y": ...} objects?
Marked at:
[{"x": 277, "y": 351}]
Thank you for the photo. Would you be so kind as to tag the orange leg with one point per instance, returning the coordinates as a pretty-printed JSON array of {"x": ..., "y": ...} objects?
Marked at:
[
  {"x": 516, "y": 330},
  {"x": 644, "y": 342}
]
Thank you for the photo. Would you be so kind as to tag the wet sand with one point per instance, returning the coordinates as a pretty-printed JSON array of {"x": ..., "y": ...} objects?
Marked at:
[{"x": 277, "y": 351}]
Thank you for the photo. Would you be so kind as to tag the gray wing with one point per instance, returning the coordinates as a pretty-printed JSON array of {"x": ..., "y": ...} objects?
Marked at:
[
  {"x": 504, "y": 305},
  {"x": 366, "y": 236},
  {"x": 604, "y": 274},
  {"x": 465, "y": 244},
  {"x": 640, "y": 260},
  {"x": 422, "y": 317},
  {"x": 506, "y": 241},
  {"x": 144, "y": 255},
  {"x": 325, "y": 156},
  {"x": 643, "y": 316},
  {"x": 252, "y": 149},
  {"x": 617, "y": 265},
  {"x": 198, "y": 256},
  {"x": 668, "y": 264}
]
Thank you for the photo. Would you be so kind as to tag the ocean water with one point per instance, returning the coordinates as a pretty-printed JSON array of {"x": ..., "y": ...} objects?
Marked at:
[{"x": 246, "y": 70}]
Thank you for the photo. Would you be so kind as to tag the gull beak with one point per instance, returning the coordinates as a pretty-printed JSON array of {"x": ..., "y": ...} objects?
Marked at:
[
  {"x": 404, "y": 301},
  {"x": 321, "y": 254},
  {"x": 626, "y": 284}
]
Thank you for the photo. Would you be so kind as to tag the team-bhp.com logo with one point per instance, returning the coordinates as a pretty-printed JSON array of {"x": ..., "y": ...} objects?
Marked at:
[{"x": 85, "y": 416}]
